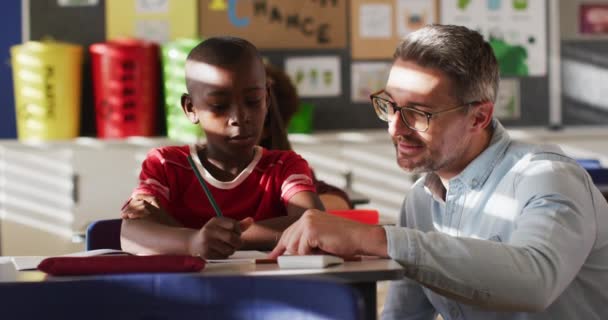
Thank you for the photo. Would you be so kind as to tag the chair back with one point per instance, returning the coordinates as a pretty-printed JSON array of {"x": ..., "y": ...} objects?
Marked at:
[
  {"x": 368, "y": 216},
  {"x": 180, "y": 296},
  {"x": 103, "y": 234}
]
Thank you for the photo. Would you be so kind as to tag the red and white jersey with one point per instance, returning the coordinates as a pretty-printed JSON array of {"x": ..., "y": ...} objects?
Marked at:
[{"x": 260, "y": 191}]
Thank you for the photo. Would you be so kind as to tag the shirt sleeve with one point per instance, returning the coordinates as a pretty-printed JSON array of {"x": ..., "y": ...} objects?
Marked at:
[
  {"x": 555, "y": 233},
  {"x": 296, "y": 176},
  {"x": 153, "y": 178},
  {"x": 406, "y": 299}
]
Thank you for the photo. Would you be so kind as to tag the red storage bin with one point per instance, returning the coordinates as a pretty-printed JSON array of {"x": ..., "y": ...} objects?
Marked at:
[{"x": 126, "y": 83}]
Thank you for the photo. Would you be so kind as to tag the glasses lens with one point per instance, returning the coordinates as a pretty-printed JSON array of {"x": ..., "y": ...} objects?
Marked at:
[
  {"x": 382, "y": 107},
  {"x": 415, "y": 119}
]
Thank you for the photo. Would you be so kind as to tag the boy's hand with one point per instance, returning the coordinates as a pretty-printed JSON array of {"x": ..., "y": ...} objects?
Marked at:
[
  {"x": 140, "y": 206},
  {"x": 219, "y": 238}
]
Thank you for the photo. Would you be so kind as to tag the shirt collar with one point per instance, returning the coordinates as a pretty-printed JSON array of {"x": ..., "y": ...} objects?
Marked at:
[{"x": 477, "y": 172}]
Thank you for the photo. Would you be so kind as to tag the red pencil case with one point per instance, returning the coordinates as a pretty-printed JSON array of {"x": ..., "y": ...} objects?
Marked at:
[{"x": 64, "y": 266}]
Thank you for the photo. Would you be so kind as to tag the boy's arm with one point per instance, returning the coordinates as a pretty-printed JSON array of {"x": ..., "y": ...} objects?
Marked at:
[
  {"x": 297, "y": 192},
  {"x": 264, "y": 235},
  {"x": 148, "y": 229},
  {"x": 142, "y": 205},
  {"x": 145, "y": 235}
]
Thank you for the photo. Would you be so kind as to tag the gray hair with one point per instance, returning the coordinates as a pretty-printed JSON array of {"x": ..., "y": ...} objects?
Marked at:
[{"x": 460, "y": 53}]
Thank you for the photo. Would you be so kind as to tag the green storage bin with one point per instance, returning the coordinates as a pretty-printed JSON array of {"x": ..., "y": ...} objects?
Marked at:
[{"x": 174, "y": 55}]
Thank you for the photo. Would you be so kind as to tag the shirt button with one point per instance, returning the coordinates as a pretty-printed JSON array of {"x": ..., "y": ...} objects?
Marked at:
[
  {"x": 474, "y": 183},
  {"x": 454, "y": 312}
]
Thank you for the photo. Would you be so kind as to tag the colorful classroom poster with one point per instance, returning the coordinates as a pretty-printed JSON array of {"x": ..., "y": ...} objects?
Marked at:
[
  {"x": 593, "y": 18},
  {"x": 375, "y": 21},
  {"x": 412, "y": 15},
  {"x": 378, "y": 25},
  {"x": 154, "y": 20},
  {"x": 507, "y": 106},
  {"x": 77, "y": 3},
  {"x": 367, "y": 78},
  {"x": 277, "y": 24},
  {"x": 516, "y": 29},
  {"x": 315, "y": 76}
]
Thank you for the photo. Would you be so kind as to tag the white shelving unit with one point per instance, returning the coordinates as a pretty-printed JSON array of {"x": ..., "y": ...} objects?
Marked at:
[{"x": 50, "y": 192}]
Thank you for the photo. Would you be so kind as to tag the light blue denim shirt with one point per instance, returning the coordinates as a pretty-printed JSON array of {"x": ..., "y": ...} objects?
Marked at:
[{"x": 547, "y": 226}]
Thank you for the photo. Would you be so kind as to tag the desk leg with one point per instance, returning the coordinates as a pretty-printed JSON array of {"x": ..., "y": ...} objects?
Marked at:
[{"x": 367, "y": 290}]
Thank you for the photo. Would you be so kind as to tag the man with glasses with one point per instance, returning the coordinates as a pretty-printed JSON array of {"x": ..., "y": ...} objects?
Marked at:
[{"x": 496, "y": 229}]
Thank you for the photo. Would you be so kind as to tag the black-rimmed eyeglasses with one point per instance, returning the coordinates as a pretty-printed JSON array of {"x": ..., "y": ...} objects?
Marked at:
[{"x": 412, "y": 117}]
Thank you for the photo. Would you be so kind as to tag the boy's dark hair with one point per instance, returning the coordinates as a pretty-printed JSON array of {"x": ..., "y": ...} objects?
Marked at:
[{"x": 222, "y": 51}]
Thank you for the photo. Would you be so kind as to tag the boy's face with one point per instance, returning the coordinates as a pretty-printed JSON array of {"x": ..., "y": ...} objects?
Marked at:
[{"x": 230, "y": 102}]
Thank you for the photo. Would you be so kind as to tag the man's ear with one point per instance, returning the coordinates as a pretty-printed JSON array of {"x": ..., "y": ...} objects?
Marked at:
[
  {"x": 188, "y": 108},
  {"x": 482, "y": 115}
]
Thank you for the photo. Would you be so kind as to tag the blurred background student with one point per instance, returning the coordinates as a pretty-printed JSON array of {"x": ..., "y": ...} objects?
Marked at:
[{"x": 284, "y": 104}]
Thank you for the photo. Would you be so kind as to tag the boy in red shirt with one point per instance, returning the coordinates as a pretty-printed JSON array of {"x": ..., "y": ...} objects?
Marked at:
[{"x": 259, "y": 192}]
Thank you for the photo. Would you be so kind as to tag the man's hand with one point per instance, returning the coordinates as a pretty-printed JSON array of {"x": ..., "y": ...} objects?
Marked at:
[
  {"x": 219, "y": 238},
  {"x": 317, "y": 230}
]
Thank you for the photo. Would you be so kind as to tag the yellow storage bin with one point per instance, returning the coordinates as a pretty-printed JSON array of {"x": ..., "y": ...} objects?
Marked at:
[{"x": 47, "y": 79}]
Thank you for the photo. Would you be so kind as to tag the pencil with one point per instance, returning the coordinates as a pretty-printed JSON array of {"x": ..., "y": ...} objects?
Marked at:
[{"x": 216, "y": 208}]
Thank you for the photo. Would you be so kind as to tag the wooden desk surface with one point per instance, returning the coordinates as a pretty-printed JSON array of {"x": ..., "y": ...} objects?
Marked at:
[{"x": 367, "y": 270}]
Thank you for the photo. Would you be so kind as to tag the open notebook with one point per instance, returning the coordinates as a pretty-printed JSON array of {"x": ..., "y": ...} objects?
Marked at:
[
  {"x": 32, "y": 262},
  {"x": 245, "y": 256}
]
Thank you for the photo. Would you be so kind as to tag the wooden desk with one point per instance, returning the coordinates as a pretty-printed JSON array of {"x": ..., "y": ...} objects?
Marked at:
[{"x": 361, "y": 275}]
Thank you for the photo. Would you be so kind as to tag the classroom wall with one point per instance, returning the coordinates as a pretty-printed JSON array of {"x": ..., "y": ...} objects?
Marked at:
[
  {"x": 87, "y": 24},
  {"x": 10, "y": 24},
  {"x": 83, "y": 25},
  {"x": 584, "y": 68}
]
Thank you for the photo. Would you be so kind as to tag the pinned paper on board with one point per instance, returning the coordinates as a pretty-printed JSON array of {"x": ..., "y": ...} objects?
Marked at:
[
  {"x": 515, "y": 29},
  {"x": 153, "y": 20},
  {"x": 315, "y": 76},
  {"x": 367, "y": 78},
  {"x": 77, "y": 3},
  {"x": 153, "y": 30},
  {"x": 151, "y": 6},
  {"x": 412, "y": 15},
  {"x": 375, "y": 21},
  {"x": 377, "y": 26},
  {"x": 508, "y": 106}
]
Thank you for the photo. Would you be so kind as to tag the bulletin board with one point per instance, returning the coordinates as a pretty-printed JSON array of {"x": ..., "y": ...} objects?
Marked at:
[
  {"x": 344, "y": 105},
  {"x": 277, "y": 24},
  {"x": 377, "y": 25}
]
